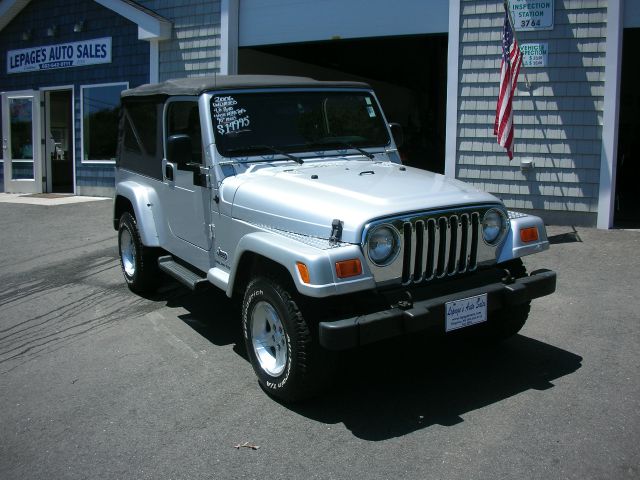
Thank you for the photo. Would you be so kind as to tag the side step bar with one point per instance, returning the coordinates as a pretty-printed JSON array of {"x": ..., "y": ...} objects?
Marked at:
[{"x": 181, "y": 273}]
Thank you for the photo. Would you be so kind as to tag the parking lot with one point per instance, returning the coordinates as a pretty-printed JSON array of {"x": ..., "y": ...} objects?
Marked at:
[{"x": 96, "y": 382}]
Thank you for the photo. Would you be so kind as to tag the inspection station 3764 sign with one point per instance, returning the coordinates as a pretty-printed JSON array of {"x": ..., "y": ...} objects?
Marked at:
[
  {"x": 532, "y": 14},
  {"x": 63, "y": 55}
]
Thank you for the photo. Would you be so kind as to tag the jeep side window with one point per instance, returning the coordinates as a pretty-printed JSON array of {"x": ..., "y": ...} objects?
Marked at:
[
  {"x": 183, "y": 118},
  {"x": 139, "y": 138}
]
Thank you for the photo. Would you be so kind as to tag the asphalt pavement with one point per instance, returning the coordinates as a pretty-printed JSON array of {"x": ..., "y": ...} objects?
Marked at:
[{"x": 96, "y": 382}]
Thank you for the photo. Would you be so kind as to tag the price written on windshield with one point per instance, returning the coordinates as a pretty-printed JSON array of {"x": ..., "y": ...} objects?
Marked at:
[{"x": 230, "y": 117}]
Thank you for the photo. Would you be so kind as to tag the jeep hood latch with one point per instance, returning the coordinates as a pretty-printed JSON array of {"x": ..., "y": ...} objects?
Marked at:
[{"x": 336, "y": 231}]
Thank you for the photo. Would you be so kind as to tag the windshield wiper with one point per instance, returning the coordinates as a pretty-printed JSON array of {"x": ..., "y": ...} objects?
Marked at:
[
  {"x": 369, "y": 155},
  {"x": 281, "y": 152},
  {"x": 246, "y": 150}
]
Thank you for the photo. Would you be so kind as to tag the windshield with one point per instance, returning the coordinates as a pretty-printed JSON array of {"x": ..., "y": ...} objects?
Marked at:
[{"x": 248, "y": 124}]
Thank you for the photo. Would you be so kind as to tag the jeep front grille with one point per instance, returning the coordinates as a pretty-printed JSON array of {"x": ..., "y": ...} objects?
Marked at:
[{"x": 434, "y": 247}]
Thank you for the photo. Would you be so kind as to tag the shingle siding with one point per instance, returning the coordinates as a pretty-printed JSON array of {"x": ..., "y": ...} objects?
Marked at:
[
  {"x": 194, "y": 47},
  {"x": 558, "y": 123}
]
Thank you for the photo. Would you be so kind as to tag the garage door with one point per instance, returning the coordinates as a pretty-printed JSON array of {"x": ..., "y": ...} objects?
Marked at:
[{"x": 264, "y": 22}]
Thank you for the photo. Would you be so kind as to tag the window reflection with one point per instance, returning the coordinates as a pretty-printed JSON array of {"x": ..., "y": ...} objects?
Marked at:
[
  {"x": 21, "y": 134},
  {"x": 21, "y": 128},
  {"x": 100, "y": 113}
]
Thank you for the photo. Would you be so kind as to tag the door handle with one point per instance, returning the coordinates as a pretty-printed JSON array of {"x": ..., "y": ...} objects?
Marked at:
[
  {"x": 168, "y": 171},
  {"x": 4, "y": 143}
]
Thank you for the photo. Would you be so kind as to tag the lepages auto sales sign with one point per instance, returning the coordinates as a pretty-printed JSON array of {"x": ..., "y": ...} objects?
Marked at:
[{"x": 64, "y": 55}]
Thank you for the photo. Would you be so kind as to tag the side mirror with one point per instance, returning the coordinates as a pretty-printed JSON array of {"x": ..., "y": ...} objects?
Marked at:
[
  {"x": 179, "y": 149},
  {"x": 398, "y": 134}
]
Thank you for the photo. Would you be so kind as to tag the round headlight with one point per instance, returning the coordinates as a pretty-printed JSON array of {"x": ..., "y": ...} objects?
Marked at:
[
  {"x": 383, "y": 245},
  {"x": 493, "y": 224}
]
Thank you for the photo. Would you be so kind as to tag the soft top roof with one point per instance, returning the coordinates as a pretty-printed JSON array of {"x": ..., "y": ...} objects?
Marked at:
[{"x": 198, "y": 85}]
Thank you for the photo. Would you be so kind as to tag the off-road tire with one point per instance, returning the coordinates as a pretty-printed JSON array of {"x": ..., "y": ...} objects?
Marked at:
[
  {"x": 139, "y": 264},
  {"x": 303, "y": 373}
]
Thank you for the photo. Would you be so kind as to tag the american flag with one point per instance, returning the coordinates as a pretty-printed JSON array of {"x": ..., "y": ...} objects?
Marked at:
[{"x": 509, "y": 69}]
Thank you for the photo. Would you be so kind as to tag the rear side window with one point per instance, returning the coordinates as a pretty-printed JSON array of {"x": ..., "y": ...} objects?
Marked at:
[
  {"x": 143, "y": 120},
  {"x": 140, "y": 151}
]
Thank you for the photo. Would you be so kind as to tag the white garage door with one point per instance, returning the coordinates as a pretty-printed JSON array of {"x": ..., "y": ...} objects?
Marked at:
[{"x": 264, "y": 22}]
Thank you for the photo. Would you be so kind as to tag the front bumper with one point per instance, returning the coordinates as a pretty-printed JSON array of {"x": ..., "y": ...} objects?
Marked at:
[{"x": 420, "y": 315}]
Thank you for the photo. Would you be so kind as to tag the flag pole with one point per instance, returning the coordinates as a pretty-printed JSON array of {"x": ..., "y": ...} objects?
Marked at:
[{"x": 515, "y": 35}]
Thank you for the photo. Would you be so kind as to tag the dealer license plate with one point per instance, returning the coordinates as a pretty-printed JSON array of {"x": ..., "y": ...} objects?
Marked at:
[{"x": 466, "y": 312}]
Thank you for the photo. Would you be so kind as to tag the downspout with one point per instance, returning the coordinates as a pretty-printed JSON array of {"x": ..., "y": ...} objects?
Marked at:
[{"x": 229, "y": 28}]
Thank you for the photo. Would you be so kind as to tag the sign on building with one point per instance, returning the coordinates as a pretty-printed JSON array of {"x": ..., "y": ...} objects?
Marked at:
[
  {"x": 535, "y": 54},
  {"x": 63, "y": 55},
  {"x": 532, "y": 14}
]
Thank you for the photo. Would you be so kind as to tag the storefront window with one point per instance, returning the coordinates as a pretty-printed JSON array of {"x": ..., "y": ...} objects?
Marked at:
[{"x": 100, "y": 113}]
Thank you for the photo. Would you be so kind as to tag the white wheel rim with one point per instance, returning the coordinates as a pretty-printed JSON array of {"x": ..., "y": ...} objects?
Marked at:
[
  {"x": 127, "y": 252},
  {"x": 268, "y": 339}
]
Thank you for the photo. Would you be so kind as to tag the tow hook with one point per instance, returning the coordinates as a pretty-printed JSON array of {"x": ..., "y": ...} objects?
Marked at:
[
  {"x": 508, "y": 278},
  {"x": 407, "y": 302}
]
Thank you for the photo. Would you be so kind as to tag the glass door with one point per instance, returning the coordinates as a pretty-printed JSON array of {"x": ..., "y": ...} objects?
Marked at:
[{"x": 21, "y": 142}]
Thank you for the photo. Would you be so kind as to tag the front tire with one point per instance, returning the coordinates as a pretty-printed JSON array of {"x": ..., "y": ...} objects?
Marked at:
[
  {"x": 139, "y": 263},
  {"x": 279, "y": 342}
]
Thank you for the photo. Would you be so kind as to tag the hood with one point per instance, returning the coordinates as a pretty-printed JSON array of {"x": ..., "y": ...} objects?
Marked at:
[{"x": 305, "y": 199}]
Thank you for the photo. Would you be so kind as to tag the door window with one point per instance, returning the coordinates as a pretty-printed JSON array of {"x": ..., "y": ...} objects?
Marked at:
[
  {"x": 183, "y": 118},
  {"x": 21, "y": 134}
]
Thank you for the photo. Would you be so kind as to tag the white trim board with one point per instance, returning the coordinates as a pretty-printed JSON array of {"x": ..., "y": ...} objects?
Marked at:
[
  {"x": 453, "y": 55},
  {"x": 611, "y": 115}
]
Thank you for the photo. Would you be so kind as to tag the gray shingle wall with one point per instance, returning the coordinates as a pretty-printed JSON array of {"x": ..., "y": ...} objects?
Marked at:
[
  {"x": 194, "y": 47},
  {"x": 558, "y": 123}
]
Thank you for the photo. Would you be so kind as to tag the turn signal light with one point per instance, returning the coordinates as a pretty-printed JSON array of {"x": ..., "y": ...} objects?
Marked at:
[
  {"x": 529, "y": 234},
  {"x": 304, "y": 272},
  {"x": 348, "y": 268}
]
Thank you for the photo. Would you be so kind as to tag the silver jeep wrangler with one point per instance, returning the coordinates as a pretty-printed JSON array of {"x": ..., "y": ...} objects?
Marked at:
[{"x": 289, "y": 194}]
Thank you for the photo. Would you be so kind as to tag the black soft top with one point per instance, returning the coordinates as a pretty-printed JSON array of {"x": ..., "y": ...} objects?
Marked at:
[{"x": 198, "y": 85}]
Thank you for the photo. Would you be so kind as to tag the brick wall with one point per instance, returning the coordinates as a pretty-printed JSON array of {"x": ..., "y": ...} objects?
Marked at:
[
  {"x": 558, "y": 122},
  {"x": 194, "y": 47}
]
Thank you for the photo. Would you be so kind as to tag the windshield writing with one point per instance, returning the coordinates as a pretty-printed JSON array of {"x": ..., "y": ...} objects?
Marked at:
[{"x": 248, "y": 124}]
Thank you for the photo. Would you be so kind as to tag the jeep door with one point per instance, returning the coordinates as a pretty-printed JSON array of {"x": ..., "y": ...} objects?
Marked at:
[{"x": 187, "y": 203}]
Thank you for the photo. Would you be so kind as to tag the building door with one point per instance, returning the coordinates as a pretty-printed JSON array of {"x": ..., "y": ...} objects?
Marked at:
[
  {"x": 21, "y": 142},
  {"x": 58, "y": 134}
]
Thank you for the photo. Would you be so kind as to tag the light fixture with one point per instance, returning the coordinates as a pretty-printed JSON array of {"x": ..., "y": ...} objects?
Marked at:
[
  {"x": 52, "y": 31},
  {"x": 79, "y": 26},
  {"x": 526, "y": 164},
  {"x": 26, "y": 35}
]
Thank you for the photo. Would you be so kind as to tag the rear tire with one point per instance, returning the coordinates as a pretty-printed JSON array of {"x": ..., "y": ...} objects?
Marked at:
[
  {"x": 139, "y": 263},
  {"x": 284, "y": 354}
]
